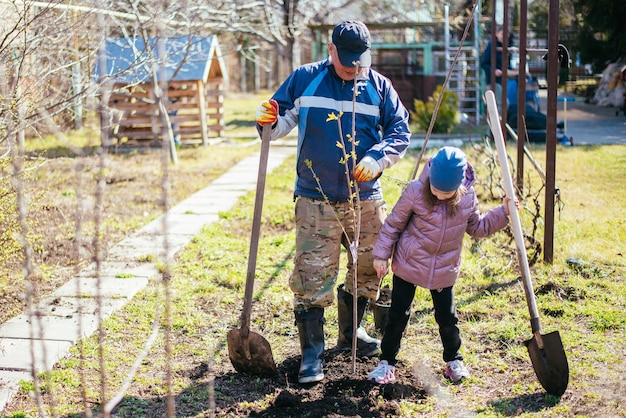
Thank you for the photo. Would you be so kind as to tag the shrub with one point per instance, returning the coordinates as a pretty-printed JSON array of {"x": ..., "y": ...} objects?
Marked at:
[{"x": 447, "y": 116}]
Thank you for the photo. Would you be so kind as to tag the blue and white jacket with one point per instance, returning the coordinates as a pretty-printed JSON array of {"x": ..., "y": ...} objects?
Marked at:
[{"x": 308, "y": 98}]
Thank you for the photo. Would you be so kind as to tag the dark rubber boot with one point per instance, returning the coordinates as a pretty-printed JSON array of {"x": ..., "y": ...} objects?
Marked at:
[
  {"x": 310, "y": 324},
  {"x": 366, "y": 345}
]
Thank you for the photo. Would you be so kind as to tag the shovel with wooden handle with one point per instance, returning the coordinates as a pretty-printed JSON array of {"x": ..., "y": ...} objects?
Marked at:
[
  {"x": 546, "y": 351},
  {"x": 249, "y": 352}
]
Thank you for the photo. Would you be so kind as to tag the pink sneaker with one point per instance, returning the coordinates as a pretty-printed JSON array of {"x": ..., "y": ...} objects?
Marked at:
[
  {"x": 456, "y": 370},
  {"x": 383, "y": 373}
]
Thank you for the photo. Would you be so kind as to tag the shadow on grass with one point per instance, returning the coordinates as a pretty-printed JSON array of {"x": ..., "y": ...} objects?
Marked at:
[
  {"x": 532, "y": 402},
  {"x": 241, "y": 123},
  {"x": 75, "y": 152},
  {"x": 62, "y": 152}
]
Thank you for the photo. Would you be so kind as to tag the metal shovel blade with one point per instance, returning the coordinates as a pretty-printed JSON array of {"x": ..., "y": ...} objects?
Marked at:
[
  {"x": 549, "y": 362},
  {"x": 250, "y": 353}
]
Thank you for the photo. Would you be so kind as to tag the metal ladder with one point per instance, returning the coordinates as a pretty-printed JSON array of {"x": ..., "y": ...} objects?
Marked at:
[{"x": 465, "y": 81}]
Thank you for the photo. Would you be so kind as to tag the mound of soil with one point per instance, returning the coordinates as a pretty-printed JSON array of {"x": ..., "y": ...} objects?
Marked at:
[{"x": 342, "y": 393}]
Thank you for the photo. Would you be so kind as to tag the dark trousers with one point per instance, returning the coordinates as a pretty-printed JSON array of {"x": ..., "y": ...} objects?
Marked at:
[{"x": 402, "y": 294}]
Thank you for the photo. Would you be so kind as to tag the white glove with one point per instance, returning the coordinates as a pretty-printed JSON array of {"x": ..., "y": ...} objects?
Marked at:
[{"x": 366, "y": 170}]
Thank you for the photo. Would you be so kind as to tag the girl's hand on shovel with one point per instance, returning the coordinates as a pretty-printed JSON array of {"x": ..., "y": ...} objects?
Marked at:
[{"x": 505, "y": 203}]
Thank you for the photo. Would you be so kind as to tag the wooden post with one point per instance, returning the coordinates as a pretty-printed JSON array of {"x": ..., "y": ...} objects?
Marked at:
[
  {"x": 268, "y": 69},
  {"x": 202, "y": 109},
  {"x": 220, "y": 109},
  {"x": 243, "y": 73},
  {"x": 494, "y": 49},
  {"x": 505, "y": 63},
  {"x": 521, "y": 94},
  {"x": 257, "y": 74},
  {"x": 553, "y": 74}
]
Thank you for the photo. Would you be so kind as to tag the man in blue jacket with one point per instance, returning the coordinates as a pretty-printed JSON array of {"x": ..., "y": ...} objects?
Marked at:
[{"x": 325, "y": 99}]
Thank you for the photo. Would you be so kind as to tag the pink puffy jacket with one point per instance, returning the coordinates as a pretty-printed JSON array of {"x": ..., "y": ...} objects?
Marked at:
[{"x": 426, "y": 243}]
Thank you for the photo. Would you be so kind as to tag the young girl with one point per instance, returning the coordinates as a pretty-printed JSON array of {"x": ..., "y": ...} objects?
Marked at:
[{"x": 424, "y": 232}]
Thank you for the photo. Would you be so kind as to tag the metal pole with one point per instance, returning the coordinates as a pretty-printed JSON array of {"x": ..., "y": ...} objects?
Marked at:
[
  {"x": 553, "y": 73},
  {"x": 494, "y": 47},
  {"x": 565, "y": 116},
  {"x": 521, "y": 93},
  {"x": 446, "y": 35},
  {"x": 505, "y": 62},
  {"x": 477, "y": 37}
]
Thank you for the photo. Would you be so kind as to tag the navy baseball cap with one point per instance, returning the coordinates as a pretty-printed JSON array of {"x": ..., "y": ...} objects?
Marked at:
[{"x": 352, "y": 40}]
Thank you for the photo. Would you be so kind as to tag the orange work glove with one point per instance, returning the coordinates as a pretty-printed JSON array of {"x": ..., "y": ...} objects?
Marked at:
[
  {"x": 267, "y": 112},
  {"x": 366, "y": 170}
]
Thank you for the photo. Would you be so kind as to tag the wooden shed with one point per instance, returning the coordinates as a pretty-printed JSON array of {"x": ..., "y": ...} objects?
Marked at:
[{"x": 195, "y": 74}]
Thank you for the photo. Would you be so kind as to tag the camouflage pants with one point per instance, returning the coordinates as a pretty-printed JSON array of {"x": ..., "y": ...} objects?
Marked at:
[{"x": 319, "y": 241}]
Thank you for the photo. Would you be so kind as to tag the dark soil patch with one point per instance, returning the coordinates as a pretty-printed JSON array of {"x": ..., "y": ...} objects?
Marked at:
[{"x": 342, "y": 393}]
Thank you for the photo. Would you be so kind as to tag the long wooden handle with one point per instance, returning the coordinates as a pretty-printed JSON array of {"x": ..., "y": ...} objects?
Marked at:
[
  {"x": 494, "y": 122},
  {"x": 256, "y": 229}
]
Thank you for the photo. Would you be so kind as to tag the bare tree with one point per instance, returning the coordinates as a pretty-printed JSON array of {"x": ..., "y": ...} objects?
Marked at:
[{"x": 279, "y": 25}]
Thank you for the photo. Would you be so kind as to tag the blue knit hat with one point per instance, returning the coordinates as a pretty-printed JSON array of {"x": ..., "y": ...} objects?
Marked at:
[{"x": 447, "y": 169}]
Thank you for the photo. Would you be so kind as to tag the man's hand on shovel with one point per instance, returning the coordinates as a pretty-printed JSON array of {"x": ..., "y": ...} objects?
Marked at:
[{"x": 267, "y": 112}]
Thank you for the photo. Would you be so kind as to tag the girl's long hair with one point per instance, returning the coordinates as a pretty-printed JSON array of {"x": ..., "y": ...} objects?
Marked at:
[{"x": 452, "y": 202}]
